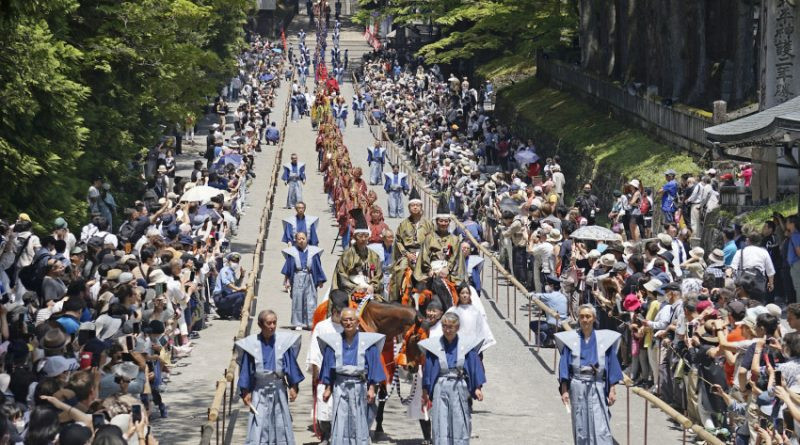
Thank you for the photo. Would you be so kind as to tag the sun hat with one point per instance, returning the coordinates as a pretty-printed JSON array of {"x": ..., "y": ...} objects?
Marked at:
[
  {"x": 107, "y": 326},
  {"x": 716, "y": 257},
  {"x": 54, "y": 339},
  {"x": 665, "y": 240},
  {"x": 653, "y": 285},
  {"x": 157, "y": 276},
  {"x": 608, "y": 260},
  {"x": 554, "y": 236},
  {"x": 697, "y": 252},
  {"x": 56, "y": 365},
  {"x": 631, "y": 303}
]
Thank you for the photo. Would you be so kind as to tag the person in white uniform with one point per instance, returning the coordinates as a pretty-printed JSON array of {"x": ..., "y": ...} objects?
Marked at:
[
  {"x": 473, "y": 320},
  {"x": 321, "y": 410}
]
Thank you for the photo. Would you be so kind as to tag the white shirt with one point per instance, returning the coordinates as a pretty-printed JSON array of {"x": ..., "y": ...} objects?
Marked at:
[
  {"x": 472, "y": 323},
  {"x": 757, "y": 257},
  {"x": 678, "y": 254},
  {"x": 326, "y": 326},
  {"x": 175, "y": 293},
  {"x": 108, "y": 238}
]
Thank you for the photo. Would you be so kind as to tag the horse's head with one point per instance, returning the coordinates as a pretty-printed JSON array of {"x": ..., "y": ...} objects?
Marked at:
[{"x": 413, "y": 355}]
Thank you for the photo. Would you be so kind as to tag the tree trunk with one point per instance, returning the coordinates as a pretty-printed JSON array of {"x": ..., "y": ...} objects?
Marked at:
[
  {"x": 590, "y": 46},
  {"x": 744, "y": 55},
  {"x": 609, "y": 17},
  {"x": 697, "y": 48}
]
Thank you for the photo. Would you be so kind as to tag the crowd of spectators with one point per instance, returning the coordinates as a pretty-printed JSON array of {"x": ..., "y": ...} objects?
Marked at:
[
  {"x": 92, "y": 321},
  {"x": 710, "y": 331}
]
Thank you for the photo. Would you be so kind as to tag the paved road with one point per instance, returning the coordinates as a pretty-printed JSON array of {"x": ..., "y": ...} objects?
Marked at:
[{"x": 521, "y": 404}]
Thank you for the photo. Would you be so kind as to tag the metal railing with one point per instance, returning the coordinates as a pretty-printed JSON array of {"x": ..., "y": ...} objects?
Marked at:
[
  {"x": 512, "y": 285},
  {"x": 216, "y": 427}
]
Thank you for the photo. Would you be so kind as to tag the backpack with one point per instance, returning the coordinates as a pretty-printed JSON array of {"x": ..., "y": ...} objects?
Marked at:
[
  {"x": 712, "y": 280},
  {"x": 126, "y": 232},
  {"x": 13, "y": 270},
  {"x": 644, "y": 205},
  {"x": 32, "y": 275}
]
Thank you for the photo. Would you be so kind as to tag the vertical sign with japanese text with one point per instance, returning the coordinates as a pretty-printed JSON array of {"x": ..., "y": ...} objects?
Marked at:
[{"x": 780, "y": 67}]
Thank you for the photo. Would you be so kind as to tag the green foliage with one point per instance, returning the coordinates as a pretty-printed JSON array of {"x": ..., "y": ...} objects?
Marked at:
[
  {"x": 593, "y": 145},
  {"x": 87, "y": 84},
  {"x": 472, "y": 27},
  {"x": 41, "y": 130},
  {"x": 507, "y": 69},
  {"x": 753, "y": 220}
]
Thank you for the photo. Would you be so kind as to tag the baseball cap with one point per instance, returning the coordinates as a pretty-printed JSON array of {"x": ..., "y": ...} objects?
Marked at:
[{"x": 736, "y": 307}]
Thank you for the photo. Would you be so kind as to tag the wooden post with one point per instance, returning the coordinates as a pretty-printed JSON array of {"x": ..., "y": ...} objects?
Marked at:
[
  {"x": 515, "y": 305},
  {"x": 720, "y": 112},
  {"x": 529, "y": 321},
  {"x": 508, "y": 297},
  {"x": 628, "y": 414},
  {"x": 646, "y": 407}
]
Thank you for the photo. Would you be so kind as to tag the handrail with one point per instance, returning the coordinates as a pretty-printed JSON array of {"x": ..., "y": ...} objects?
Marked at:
[
  {"x": 685, "y": 422},
  {"x": 226, "y": 384}
]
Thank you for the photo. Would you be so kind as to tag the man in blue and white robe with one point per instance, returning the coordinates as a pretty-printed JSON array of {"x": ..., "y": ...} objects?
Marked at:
[
  {"x": 359, "y": 106},
  {"x": 588, "y": 370},
  {"x": 351, "y": 370},
  {"x": 376, "y": 157},
  {"x": 268, "y": 366},
  {"x": 452, "y": 374},
  {"x": 304, "y": 275},
  {"x": 340, "y": 114},
  {"x": 396, "y": 185},
  {"x": 294, "y": 176},
  {"x": 295, "y": 105},
  {"x": 300, "y": 222}
]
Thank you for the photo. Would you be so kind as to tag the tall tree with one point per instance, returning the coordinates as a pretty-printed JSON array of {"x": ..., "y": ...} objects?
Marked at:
[{"x": 41, "y": 128}]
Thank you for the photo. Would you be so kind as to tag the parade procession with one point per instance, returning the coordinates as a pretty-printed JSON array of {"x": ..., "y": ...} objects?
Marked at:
[{"x": 353, "y": 222}]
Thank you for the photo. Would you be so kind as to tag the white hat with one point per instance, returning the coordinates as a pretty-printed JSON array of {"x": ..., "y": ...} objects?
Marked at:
[
  {"x": 711, "y": 171},
  {"x": 594, "y": 253},
  {"x": 554, "y": 236},
  {"x": 157, "y": 277},
  {"x": 635, "y": 183},
  {"x": 665, "y": 239},
  {"x": 774, "y": 309},
  {"x": 653, "y": 285},
  {"x": 107, "y": 326},
  {"x": 608, "y": 260},
  {"x": 56, "y": 365},
  {"x": 126, "y": 370}
]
